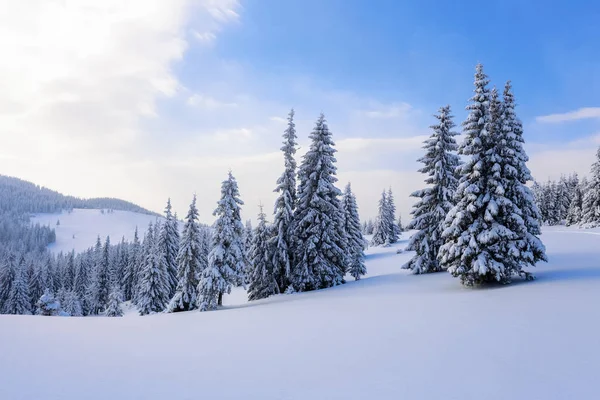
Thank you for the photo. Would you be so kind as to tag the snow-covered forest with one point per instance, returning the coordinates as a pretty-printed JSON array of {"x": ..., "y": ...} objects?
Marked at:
[{"x": 478, "y": 217}]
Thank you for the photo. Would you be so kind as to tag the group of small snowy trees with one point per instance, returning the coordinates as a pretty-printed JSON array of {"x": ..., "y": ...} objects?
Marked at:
[
  {"x": 485, "y": 226},
  {"x": 555, "y": 198},
  {"x": 571, "y": 201},
  {"x": 386, "y": 230},
  {"x": 316, "y": 237}
]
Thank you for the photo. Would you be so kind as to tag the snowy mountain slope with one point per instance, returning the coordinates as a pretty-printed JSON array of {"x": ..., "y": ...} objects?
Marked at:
[
  {"x": 391, "y": 335},
  {"x": 79, "y": 228}
]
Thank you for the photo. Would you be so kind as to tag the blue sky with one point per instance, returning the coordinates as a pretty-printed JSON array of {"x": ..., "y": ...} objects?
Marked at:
[{"x": 155, "y": 99}]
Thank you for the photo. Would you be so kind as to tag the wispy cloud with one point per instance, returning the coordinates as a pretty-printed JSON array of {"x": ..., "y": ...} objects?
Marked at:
[
  {"x": 393, "y": 110},
  {"x": 582, "y": 113},
  {"x": 208, "y": 102}
]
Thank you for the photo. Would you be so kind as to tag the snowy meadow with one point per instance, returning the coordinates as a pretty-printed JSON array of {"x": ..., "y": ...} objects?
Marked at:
[{"x": 389, "y": 335}]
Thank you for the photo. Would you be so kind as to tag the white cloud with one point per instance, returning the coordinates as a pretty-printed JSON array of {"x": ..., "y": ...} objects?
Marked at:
[
  {"x": 207, "y": 38},
  {"x": 208, "y": 102},
  {"x": 80, "y": 78},
  {"x": 582, "y": 113},
  {"x": 394, "y": 110}
]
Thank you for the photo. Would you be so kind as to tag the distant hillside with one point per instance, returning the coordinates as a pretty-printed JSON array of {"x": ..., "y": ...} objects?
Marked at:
[{"x": 19, "y": 197}]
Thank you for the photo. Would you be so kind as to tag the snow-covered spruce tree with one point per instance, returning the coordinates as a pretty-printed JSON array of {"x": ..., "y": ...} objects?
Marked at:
[
  {"x": 319, "y": 255},
  {"x": 261, "y": 282},
  {"x": 129, "y": 280},
  {"x": 381, "y": 228},
  {"x": 36, "y": 284},
  {"x": 591, "y": 198},
  {"x": 574, "y": 215},
  {"x": 394, "y": 230},
  {"x": 7, "y": 276},
  {"x": 18, "y": 301},
  {"x": 169, "y": 241},
  {"x": 435, "y": 201},
  {"x": 356, "y": 242},
  {"x": 47, "y": 305},
  {"x": 81, "y": 276},
  {"x": 153, "y": 292},
  {"x": 484, "y": 233},
  {"x": 114, "y": 303},
  {"x": 247, "y": 240},
  {"x": 401, "y": 227},
  {"x": 226, "y": 259},
  {"x": 281, "y": 242},
  {"x": 72, "y": 304},
  {"x": 68, "y": 273},
  {"x": 97, "y": 293},
  {"x": 191, "y": 261},
  {"x": 515, "y": 168}
]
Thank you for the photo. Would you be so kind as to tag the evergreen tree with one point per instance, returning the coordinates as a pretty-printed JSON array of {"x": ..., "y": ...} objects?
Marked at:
[
  {"x": 399, "y": 224},
  {"x": 319, "y": 249},
  {"x": 72, "y": 304},
  {"x": 226, "y": 259},
  {"x": 381, "y": 228},
  {"x": 18, "y": 300},
  {"x": 47, "y": 305},
  {"x": 114, "y": 303},
  {"x": 518, "y": 175},
  {"x": 129, "y": 280},
  {"x": 356, "y": 242},
  {"x": 169, "y": 239},
  {"x": 7, "y": 276},
  {"x": 281, "y": 242},
  {"x": 97, "y": 292},
  {"x": 248, "y": 238},
  {"x": 485, "y": 232},
  {"x": 574, "y": 215},
  {"x": 153, "y": 295},
  {"x": 394, "y": 230},
  {"x": 68, "y": 276},
  {"x": 591, "y": 198},
  {"x": 36, "y": 284},
  {"x": 262, "y": 282},
  {"x": 435, "y": 201},
  {"x": 191, "y": 261}
]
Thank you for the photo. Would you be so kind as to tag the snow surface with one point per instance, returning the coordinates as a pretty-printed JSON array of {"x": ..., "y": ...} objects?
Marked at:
[
  {"x": 391, "y": 335},
  {"x": 79, "y": 229}
]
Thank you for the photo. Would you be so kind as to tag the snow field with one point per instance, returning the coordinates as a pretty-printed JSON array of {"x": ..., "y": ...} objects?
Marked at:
[{"x": 390, "y": 335}]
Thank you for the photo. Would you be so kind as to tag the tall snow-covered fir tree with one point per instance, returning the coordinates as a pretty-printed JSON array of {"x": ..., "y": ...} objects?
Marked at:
[
  {"x": 356, "y": 242},
  {"x": 591, "y": 198},
  {"x": 435, "y": 201},
  {"x": 37, "y": 285},
  {"x": 72, "y": 304},
  {"x": 226, "y": 261},
  {"x": 153, "y": 295},
  {"x": 261, "y": 282},
  {"x": 129, "y": 281},
  {"x": 169, "y": 241},
  {"x": 7, "y": 276},
  {"x": 114, "y": 303},
  {"x": 191, "y": 261},
  {"x": 485, "y": 234},
  {"x": 518, "y": 175},
  {"x": 575, "y": 214},
  {"x": 281, "y": 242},
  {"x": 247, "y": 240},
  {"x": 97, "y": 291},
  {"x": 18, "y": 301},
  {"x": 382, "y": 224},
  {"x": 319, "y": 259},
  {"x": 393, "y": 228}
]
